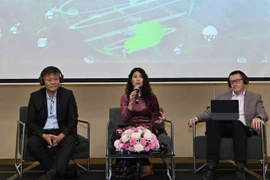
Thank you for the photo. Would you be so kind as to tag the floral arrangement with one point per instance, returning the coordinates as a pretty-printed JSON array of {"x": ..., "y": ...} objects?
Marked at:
[{"x": 137, "y": 139}]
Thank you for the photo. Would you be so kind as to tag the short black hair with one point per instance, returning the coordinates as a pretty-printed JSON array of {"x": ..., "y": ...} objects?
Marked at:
[{"x": 50, "y": 70}]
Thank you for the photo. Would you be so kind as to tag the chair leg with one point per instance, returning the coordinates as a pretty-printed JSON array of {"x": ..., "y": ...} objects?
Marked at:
[
  {"x": 80, "y": 166},
  {"x": 249, "y": 171},
  {"x": 21, "y": 171},
  {"x": 18, "y": 168},
  {"x": 195, "y": 169},
  {"x": 194, "y": 165},
  {"x": 109, "y": 168},
  {"x": 264, "y": 169},
  {"x": 170, "y": 167},
  {"x": 88, "y": 165},
  {"x": 173, "y": 168}
]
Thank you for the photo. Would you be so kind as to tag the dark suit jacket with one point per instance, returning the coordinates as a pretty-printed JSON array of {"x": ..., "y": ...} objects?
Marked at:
[
  {"x": 67, "y": 113},
  {"x": 253, "y": 106}
]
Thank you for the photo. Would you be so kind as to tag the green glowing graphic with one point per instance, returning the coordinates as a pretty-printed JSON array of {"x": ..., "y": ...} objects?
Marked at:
[
  {"x": 116, "y": 9},
  {"x": 147, "y": 35},
  {"x": 191, "y": 6}
]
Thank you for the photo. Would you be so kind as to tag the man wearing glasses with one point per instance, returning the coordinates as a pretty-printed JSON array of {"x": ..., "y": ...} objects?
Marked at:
[
  {"x": 52, "y": 124},
  {"x": 251, "y": 114}
]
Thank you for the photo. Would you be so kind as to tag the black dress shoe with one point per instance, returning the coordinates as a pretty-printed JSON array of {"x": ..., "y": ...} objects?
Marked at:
[
  {"x": 71, "y": 174},
  {"x": 239, "y": 173},
  {"x": 44, "y": 178},
  {"x": 211, "y": 172},
  {"x": 50, "y": 175}
]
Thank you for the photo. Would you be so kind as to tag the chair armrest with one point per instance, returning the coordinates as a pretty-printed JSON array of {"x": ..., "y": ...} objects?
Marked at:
[
  {"x": 82, "y": 121},
  {"x": 194, "y": 128},
  {"x": 21, "y": 126},
  {"x": 263, "y": 135},
  {"x": 172, "y": 133},
  {"x": 263, "y": 129},
  {"x": 107, "y": 138},
  {"x": 88, "y": 128},
  {"x": 21, "y": 123},
  {"x": 167, "y": 121},
  {"x": 20, "y": 134}
]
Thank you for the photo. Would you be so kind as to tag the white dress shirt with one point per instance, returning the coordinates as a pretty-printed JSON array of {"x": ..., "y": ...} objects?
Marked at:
[
  {"x": 241, "y": 100},
  {"x": 51, "y": 122}
]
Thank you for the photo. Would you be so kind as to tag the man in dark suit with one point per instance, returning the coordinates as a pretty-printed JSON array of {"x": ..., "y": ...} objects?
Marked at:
[
  {"x": 52, "y": 124},
  {"x": 251, "y": 115}
]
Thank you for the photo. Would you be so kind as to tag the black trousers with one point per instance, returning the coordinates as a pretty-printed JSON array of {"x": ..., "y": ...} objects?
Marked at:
[
  {"x": 227, "y": 129},
  {"x": 56, "y": 158}
]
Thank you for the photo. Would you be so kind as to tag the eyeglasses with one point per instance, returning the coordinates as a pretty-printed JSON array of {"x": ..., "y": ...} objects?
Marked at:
[
  {"x": 237, "y": 81},
  {"x": 51, "y": 106}
]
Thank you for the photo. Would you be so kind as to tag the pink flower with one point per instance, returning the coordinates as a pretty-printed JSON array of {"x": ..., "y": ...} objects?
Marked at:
[
  {"x": 129, "y": 132},
  {"x": 131, "y": 149},
  {"x": 153, "y": 145},
  {"x": 125, "y": 146},
  {"x": 147, "y": 148},
  {"x": 132, "y": 142},
  {"x": 143, "y": 142},
  {"x": 154, "y": 137}
]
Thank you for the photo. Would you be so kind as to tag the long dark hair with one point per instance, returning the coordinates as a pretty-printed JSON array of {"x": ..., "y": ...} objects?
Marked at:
[{"x": 146, "y": 91}]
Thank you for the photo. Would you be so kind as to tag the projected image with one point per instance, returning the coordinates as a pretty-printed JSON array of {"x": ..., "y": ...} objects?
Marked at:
[
  {"x": 122, "y": 28},
  {"x": 134, "y": 31},
  {"x": 178, "y": 35}
]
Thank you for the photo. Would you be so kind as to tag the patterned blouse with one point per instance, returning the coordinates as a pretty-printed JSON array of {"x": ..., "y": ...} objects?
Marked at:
[{"x": 142, "y": 114}]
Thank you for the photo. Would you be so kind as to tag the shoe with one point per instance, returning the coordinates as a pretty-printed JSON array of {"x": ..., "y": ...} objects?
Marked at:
[
  {"x": 211, "y": 172},
  {"x": 147, "y": 170},
  {"x": 50, "y": 175},
  {"x": 71, "y": 174},
  {"x": 239, "y": 173}
]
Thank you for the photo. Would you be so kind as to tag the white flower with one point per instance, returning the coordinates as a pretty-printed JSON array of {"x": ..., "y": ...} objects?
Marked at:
[
  {"x": 125, "y": 138},
  {"x": 116, "y": 144},
  {"x": 147, "y": 131},
  {"x": 136, "y": 135},
  {"x": 138, "y": 147},
  {"x": 148, "y": 135}
]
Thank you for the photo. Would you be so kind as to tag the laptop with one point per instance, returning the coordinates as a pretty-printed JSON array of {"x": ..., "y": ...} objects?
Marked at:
[{"x": 227, "y": 110}]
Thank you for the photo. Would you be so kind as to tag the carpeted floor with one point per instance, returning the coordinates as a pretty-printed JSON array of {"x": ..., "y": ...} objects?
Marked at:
[{"x": 183, "y": 172}]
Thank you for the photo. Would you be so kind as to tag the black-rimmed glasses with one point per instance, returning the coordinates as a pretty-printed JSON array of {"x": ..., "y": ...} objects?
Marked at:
[{"x": 236, "y": 81}]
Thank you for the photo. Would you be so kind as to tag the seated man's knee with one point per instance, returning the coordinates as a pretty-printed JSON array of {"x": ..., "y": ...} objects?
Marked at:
[
  {"x": 165, "y": 140},
  {"x": 238, "y": 126},
  {"x": 33, "y": 143},
  {"x": 164, "y": 137},
  {"x": 237, "y": 123},
  {"x": 212, "y": 123},
  {"x": 69, "y": 140}
]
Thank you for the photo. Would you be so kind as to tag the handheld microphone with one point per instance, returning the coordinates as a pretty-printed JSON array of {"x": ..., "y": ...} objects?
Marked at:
[{"x": 137, "y": 89}]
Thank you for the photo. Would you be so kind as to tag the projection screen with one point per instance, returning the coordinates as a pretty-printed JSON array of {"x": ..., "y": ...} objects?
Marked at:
[{"x": 104, "y": 39}]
